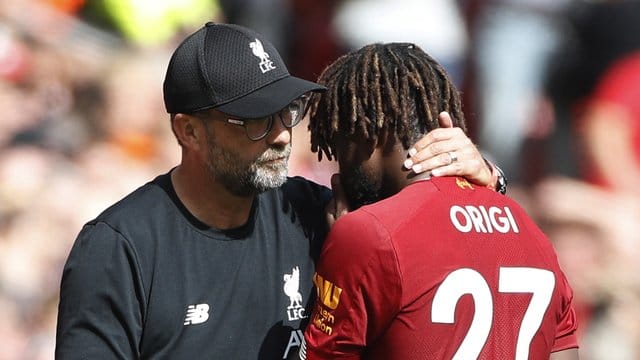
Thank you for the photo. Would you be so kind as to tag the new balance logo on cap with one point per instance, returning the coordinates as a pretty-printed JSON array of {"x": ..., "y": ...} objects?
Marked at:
[
  {"x": 258, "y": 50},
  {"x": 197, "y": 314}
]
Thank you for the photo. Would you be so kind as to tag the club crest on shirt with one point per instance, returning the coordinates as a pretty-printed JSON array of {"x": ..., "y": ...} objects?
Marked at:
[
  {"x": 295, "y": 310},
  {"x": 463, "y": 184}
]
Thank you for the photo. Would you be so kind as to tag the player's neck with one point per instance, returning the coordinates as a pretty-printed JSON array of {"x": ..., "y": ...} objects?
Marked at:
[
  {"x": 210, "y": 202},
  {"x": 413, "y": 177},
  {"x": 399, "y": 175}
]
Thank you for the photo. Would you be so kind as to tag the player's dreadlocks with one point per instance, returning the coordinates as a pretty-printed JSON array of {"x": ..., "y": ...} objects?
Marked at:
[{"x": 393, "y": 87}]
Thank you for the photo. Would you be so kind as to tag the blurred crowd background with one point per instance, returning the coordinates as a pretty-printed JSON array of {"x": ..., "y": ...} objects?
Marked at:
[{"x": 551, "y": 91}]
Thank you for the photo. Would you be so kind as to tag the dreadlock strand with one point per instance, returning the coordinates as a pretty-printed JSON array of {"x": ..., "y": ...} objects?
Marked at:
[
  {"x": 327, "y": 107},
  {"x": 423, "y": 80},
  {"x": 400, "y": 93},
  {"x": 413, "y": 98},
  {"x": 379, "y": 112},
  {"x": 373, "y": 83},
  {"x": 363, "y": 84},
  {"x": 392, "y": 83}
]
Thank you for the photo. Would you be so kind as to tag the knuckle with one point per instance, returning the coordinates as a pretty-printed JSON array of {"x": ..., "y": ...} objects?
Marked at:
[
  {"x": 444, "y": 159},
  {"x": 423, "y": 142},
  {"x": 437, "y": 134},
  {"x": 471, "y": 153},
  {"x": 427, "y": 139},
  {"x": 419, "y": 156},
  {"x": 435, "y": 149},
  {"x": 457, "y": 168}
]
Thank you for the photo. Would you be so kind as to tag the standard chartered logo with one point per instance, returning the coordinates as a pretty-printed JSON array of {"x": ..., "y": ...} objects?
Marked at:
[
  {"x": 327, "y": 292},
  {"x": 329, "y": 296}
]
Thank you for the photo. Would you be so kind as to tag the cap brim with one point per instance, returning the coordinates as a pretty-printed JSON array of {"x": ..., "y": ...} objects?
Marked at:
[{"x": 269, "y": 99}]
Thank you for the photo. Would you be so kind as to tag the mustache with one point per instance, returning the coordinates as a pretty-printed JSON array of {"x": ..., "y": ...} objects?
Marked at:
[{"x": 274, "y": 154}]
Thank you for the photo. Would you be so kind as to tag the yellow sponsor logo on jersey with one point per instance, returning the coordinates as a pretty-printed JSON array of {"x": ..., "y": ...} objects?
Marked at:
[
  {"x": 463, "y": 184},
  {"x": 328, "y": 293},
  {"x": 328, "y": 300},
  {"x": 323, "y": 320}
]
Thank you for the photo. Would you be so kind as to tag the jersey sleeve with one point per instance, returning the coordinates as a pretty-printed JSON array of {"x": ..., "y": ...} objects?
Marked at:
[
  {"x": 358, "y": 287},
  {"x": 566, "y": 337},
  {"x": 100, "y": 313}
]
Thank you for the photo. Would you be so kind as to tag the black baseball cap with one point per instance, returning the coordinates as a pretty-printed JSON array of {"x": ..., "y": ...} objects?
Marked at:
[{"x": 232, "y": 69}]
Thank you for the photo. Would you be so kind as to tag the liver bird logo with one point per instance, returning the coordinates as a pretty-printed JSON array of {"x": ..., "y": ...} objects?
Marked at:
[
  {"x": 258, "y": 51},
  {"x": 463, "y": 183},
  {"x": 291, "y": 288}
]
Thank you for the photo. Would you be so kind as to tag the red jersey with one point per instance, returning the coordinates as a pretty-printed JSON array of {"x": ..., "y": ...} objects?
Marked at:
[{"x": 442, "y": 270}]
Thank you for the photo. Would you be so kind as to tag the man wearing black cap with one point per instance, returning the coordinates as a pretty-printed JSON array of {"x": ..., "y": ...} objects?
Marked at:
[{"x": 215, "y": 258}]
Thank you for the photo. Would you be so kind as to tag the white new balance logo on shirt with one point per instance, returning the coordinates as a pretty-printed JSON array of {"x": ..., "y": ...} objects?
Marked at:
[{"x": 197, "y": 314}]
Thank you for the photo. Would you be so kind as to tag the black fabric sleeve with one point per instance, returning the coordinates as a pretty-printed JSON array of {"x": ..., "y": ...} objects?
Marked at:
[{"x": 101, "y": 309}]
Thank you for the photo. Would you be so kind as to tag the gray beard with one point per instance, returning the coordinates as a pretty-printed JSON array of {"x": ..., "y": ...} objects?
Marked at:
[{"x": 246, "y": 178}]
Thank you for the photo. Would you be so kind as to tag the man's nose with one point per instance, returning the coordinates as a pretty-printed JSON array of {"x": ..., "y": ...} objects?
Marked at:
[{"x": 279, "y": 134}]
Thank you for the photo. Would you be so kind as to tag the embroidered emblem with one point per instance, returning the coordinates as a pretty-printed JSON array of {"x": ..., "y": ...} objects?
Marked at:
[{"x": 258, "y": 50}]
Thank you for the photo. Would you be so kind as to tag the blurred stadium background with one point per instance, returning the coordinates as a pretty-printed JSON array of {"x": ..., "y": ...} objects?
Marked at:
[{"x": 551, "y": 91}]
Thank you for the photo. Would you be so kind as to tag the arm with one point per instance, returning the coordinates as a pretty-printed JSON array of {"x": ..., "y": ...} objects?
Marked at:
[
  {"x": 99, "y": 315},
  {"x": 569, "y": 354},
  {"x": 355, "y": 301}
]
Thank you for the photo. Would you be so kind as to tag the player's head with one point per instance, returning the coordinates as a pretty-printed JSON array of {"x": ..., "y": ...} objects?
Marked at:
[
  {"x": 381, "y": 97},
  {"x": 233, "y": 103}
]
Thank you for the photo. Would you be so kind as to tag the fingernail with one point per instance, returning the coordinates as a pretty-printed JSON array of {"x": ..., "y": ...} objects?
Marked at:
[
  {"x": 435, "y": 172},
  {"x": 412, "y": 151},
  {"x": 408, "y": 163},
  {"x": 416, "y": 168}
]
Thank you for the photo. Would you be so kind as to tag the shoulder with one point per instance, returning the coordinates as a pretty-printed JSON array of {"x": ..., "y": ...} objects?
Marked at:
[
  {"x": 148, "y": 207},
  {"x": 303, "y": 198},
  {"x": 126, "y": 232},
  {"x": 136, "y": 205},
  {"x": 300, "y": 189},
  {"x": 358, "y": 233},
  {"x": 301, "y": 204},
  {"x": 432, "y": 203},
  {"x": 418, "y": 199},
  {"x": 360, "y": 253}
]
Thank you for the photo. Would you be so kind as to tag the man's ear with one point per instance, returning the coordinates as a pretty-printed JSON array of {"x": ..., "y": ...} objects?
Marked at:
[{"x": 189, "y": 130}]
